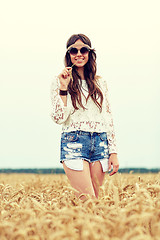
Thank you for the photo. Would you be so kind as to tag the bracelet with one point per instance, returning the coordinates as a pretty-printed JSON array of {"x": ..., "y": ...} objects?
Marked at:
[{"x": 63, "y": 92}]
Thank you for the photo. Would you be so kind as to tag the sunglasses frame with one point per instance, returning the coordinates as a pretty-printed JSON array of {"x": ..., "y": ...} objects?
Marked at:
[
  {"x": 69, "y": 51},
  {"x": 72, "y": 46}
]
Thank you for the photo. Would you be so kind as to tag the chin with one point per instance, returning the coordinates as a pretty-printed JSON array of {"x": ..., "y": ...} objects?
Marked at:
[{"x": 80, "y": 64}]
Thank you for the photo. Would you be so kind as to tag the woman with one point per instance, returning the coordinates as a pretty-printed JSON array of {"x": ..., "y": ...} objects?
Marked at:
[{"x": 80, "y": 104}]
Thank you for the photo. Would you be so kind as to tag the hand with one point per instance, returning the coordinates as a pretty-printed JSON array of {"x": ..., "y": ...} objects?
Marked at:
[
  {"x": 64, "y": 78},
  {"x": 113, "y": 161}
]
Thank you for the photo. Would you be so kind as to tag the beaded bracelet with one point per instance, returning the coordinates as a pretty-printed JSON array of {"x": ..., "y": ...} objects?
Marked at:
[{"x": 63, "y": 92}]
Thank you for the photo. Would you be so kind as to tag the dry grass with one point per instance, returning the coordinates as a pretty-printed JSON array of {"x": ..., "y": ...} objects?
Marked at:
[{"x": 44, "y": 207}]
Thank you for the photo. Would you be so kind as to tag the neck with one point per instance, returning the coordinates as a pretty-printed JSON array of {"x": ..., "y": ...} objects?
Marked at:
[{"x": 81, "y": 72}]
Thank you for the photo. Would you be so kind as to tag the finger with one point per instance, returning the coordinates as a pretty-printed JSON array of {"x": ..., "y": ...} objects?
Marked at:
[
  {"x": 69, "y": 72},
  {"x": 112, "y": 173},
  {"x": 68, "y": 69},
  {"x": 109, "y": 166},
  {"x": 65, "y": 74},
  {"x": 115, "y": 169}
]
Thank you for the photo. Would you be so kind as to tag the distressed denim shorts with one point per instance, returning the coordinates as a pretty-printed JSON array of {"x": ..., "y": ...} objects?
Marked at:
[{"x": 77, "y": 146}]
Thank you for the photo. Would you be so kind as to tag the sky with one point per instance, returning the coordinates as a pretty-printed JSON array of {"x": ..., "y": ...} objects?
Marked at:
[{"x": 33, "y": 40}]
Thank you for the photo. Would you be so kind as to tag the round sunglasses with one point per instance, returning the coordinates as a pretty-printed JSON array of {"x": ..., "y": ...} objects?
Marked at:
[{"x": 73, "y": 51}]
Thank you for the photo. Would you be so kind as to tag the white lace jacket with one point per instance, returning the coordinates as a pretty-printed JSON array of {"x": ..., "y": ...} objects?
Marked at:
[{"x": 90, "y": 119}]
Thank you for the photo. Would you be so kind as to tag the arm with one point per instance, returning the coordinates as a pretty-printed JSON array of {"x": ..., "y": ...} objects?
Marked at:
[
  {"x": 113, "y": 160},
  {"x": 64, "y": 79},
  {"x": 110, "y": 130},
  {"x": 60, "y": 111}
]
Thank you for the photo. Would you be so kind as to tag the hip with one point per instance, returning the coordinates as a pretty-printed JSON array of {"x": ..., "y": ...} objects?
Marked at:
[{"x": 79, "y": 144}]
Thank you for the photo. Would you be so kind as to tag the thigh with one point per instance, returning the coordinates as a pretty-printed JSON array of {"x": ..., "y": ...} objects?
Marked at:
[
  {"x": 97, "y": 174},
  {"x": 80, "y": 180}
]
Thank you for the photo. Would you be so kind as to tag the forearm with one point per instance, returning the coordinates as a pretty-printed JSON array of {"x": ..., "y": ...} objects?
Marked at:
[
  {"x": 63, "y": 97},
  {"x": 59, "y": 110}
]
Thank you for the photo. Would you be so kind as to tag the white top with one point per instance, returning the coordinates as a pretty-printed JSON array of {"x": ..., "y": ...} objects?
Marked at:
[{"x": 90, "y": 119}]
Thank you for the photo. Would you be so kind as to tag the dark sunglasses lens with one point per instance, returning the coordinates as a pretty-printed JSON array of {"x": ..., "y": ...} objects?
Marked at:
[
  {"x": 84, "y": 50},
  {"x": 73, "y": 51}
]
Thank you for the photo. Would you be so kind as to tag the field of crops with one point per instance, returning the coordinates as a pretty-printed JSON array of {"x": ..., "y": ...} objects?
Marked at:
[{"x": 44, "y": 207}]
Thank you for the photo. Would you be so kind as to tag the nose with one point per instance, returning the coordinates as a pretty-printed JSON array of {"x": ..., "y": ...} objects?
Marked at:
[{"x": 79, "y": 53}]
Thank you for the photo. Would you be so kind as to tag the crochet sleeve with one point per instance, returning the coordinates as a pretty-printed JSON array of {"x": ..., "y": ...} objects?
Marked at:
[
  {"x": 110, "y": 129},
  {"x": 59, "y": 112}
]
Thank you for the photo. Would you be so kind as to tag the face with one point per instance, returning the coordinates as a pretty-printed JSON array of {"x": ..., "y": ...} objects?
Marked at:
[{"x": 79, "y": 59}]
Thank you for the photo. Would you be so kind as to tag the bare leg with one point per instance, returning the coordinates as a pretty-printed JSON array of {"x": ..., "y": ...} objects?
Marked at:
[
  {"x": 80, "y": 180},
  {"x": 97, "y": 176}
]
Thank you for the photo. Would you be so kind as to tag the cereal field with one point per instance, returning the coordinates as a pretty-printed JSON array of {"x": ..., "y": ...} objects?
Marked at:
[{"x": 43, "y": 207}]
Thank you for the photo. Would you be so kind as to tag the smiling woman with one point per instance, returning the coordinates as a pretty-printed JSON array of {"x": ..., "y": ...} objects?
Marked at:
[
  {"x": 80, "y": 59},
  {"x": 80, "y": 103}
]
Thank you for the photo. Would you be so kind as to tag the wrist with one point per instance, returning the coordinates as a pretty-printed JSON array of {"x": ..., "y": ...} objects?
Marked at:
[
  {"x": 113, "y": 154},
  {"x": 63, "y": 88}
]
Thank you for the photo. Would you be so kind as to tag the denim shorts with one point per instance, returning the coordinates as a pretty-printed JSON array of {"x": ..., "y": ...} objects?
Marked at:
[{"x": 78, "y": 145}]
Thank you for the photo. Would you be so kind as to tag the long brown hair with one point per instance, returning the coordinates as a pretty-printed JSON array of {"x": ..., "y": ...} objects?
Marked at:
[{"x": 91, "y": 78}]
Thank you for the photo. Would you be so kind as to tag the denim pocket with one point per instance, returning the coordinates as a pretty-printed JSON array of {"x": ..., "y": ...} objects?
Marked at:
[
  {"x": 69, "y": 137},
  {"x": 103, "y": 136}
]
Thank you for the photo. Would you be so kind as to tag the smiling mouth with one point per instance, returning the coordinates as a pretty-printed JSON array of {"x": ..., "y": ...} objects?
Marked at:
[{"x": 79, "y": 59}]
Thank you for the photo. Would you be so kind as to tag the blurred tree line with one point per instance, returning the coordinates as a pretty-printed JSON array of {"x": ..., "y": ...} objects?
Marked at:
[{"x": 61, "y": 171}]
